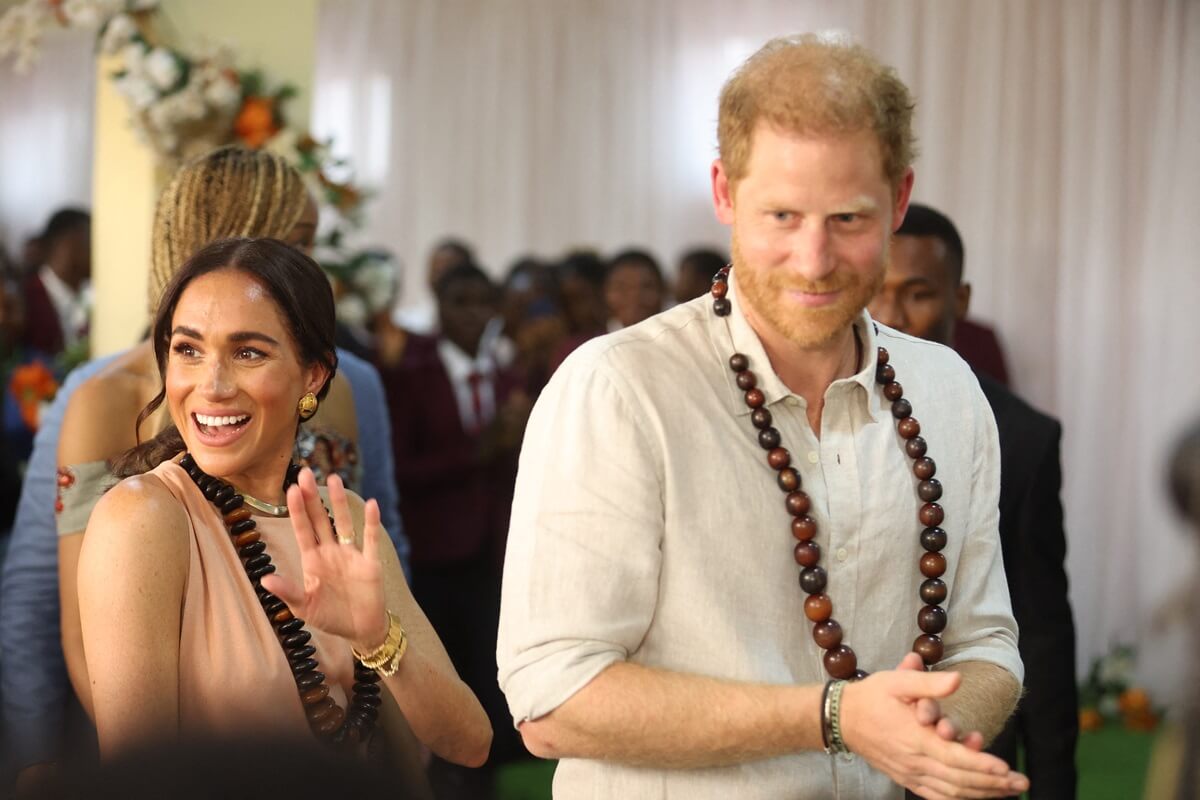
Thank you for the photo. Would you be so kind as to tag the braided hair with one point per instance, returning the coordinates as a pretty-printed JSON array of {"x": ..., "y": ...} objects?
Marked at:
[{"x": 231, "y": 192}]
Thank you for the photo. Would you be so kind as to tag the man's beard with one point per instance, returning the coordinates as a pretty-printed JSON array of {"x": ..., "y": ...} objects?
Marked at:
[{"x": 765, "y": 291}]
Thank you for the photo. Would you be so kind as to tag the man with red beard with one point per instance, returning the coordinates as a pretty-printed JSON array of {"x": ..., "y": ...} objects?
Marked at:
[{"x": 676, "y": 475}]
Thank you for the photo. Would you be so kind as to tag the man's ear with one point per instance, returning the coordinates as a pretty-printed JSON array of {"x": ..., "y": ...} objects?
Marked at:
[
  {"x": 722, "y": 193},
  {"x": 962, "y": 301}
]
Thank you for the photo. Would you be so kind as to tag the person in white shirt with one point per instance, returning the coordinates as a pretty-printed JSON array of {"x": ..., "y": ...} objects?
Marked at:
[
  {"x": 58, "y": 294},
  {"x": 676, "y": 476}
]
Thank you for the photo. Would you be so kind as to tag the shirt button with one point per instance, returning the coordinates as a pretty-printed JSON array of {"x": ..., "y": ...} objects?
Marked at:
[
  {"x": 813, "y": 457},
  {"x": 842, "y": 555}
]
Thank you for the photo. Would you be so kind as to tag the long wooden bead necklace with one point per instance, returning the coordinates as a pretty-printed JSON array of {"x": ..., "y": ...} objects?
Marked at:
[
  {"x": 325, "y": 717},
  {"x": 840, "y": 661}
]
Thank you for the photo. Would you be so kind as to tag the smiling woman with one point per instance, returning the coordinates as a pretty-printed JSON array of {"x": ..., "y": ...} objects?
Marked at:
[{"x": 287, "y": 619}]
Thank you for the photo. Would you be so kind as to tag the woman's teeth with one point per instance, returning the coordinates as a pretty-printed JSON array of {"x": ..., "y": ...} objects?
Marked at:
[{"x": 214, "y": 422}]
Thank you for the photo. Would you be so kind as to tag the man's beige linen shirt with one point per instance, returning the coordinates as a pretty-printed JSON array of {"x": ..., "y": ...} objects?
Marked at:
[{"x": 647, "y": 527}]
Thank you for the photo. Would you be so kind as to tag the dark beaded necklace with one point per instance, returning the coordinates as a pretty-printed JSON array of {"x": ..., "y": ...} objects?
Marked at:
[
  {"x": 327, "y": 720},
  {"x": 840, "y": 661}
]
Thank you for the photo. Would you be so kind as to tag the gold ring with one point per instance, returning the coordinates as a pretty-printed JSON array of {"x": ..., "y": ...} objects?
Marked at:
[{"x": 345, "y": 539}]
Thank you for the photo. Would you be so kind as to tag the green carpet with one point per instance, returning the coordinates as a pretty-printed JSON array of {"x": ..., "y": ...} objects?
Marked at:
[{"x": 1112, "y": 766}]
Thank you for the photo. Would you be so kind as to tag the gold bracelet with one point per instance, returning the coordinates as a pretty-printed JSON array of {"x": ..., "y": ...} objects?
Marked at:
[{"x": 386, "y": 658}]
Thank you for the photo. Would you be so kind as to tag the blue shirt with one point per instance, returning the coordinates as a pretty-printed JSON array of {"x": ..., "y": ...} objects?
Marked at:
[{"x": 33, "y": 672}]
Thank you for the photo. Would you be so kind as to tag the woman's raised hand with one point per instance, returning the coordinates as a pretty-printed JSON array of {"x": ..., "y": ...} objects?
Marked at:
[{"x": 341, "y": 588}]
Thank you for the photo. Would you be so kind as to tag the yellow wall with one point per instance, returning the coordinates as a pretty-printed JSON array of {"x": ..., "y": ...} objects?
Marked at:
[{"x": 276, "y": 36}]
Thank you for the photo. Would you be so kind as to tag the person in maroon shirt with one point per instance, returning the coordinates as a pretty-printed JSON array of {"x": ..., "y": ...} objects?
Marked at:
[{"x": 457, "y": 421}]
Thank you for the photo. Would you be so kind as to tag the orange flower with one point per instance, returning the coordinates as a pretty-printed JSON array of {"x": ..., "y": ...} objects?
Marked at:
[
  {"x": 1133, "y": 701},
  {"x": 32, "y": 384},
  {"x": 1090, "y": 720},
  {"x": 257, "y": 122}
]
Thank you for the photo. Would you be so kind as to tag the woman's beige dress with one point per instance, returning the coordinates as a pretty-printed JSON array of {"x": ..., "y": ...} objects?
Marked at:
[{"x": 233, "y": 675}]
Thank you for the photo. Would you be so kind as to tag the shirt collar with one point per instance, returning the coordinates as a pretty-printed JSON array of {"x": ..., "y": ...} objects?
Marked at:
[
  {"x": 459, "y": 366},
  {"x": 738, "y": 337}
]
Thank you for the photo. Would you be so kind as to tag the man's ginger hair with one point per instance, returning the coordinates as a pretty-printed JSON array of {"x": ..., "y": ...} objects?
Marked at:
[
  {"x": 811, "y": 85},
  {"x": 229, "y": 193}
]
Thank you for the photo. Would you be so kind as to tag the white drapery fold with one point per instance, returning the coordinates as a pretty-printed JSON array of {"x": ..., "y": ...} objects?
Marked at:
[
  {"x": 1062, "y": 138},
  {"x": 46, "y": 135}
]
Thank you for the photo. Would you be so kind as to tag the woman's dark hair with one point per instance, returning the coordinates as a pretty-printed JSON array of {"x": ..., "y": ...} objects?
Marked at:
[{"x": 292, "y": 279}]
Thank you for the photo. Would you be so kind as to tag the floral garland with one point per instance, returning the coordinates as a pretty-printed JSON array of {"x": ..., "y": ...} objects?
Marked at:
[{"x": 185, "y": 104}]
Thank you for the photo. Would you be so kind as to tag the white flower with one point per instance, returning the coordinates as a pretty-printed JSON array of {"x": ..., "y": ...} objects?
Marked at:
[
  {"x": 118, "y": 33},
  {"x": 133, "y": 59},
  {"x": 162, "y": 67},
  {"x": 89, "y": 13},
  {"x": 352, "y": 309},
  {"x": 223, "y": 92},
  {"x": 21, "y": 30},
  {"x": 137, "y": 90}
]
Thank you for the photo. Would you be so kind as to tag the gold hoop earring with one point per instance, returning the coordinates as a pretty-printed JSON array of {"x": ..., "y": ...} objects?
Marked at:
[{"x": 307, "y": 406}]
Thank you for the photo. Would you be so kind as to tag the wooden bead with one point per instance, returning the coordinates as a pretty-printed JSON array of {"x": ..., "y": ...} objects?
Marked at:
[
  {"x": 371, "y": 700},
  {"x": 930, "y": 490},
  {"x": 722, "y": 307},
  {"x": 258, "y": 572},
  {"x": 234, "y": 502},
  {"x": 929, "y": 648},
  {"x": 242, "y": 526},
  {"x": 807, "y": 553},
  {"x": 254, "y": 562},
  {"x": 308, "y": 680},
  {"x": 769, "y": 438},
  {"x": 933, "y": 539},
  {"x": 252, "y": 549},
  {"x": 302, "y": 653},
  {"x": 319, "y": 711},
  {"x": 779, "y": 458},
  {"x": 719, "y": 289},
  {"x": 901, "y": 409},
  {"x": 933, "y": 591},
  {"x": 818, "y": 607},
  {"x": 314, "y": 695},
  {"x": 924, "y": 468},
  {"x": 931, "y": 514},
  {"x": 739, "y": 362},
  {"x": 827, "y": 634},
  {"x": 760, "y": 418},
  {"x": 804, "y": 528},
  {"x": 859, "y": 674},
  {"x": 327, "y": 726},
  {"x": 282, "y": 616},
  {"x": 797, "y": 503},
  {"x": 745, "y": 380},
  {"x": 236, "y": 516},
  {"x": 292, "y": 626},
  {"x": 915, "y": 447},
  {"x": 755, "y": 398},
  {"x": 304, "y": 665},
  {"x": 840, "y": 662},
  {"x": 885, "y": 373},
  {"x": 882, "y": 356},
  {"x": 243, "y": 539},
  {"x": 931, "y": 619},
  {"x": 893, "y": 391},
  {"x": 222, "y": 494},
  {"x": 933, "y": 565},
  {"x": 813, "y": 580},
  {"x": 788, "y": 479},
  {"x": 908, "y": 427}
]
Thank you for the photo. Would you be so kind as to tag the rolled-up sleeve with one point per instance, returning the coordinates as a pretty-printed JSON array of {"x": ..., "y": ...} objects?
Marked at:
[
  {"x": 981, "y": 624},
  {"x": 584, "y": 551}
]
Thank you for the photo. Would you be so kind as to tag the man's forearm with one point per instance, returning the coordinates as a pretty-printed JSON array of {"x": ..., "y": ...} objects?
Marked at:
[
  {"x": 985, "y": 700},
  {"x": 639, "y": 715}
]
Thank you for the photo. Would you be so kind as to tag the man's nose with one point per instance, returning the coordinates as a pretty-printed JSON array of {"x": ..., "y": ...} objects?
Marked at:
[{"x": 812, "y": 254}]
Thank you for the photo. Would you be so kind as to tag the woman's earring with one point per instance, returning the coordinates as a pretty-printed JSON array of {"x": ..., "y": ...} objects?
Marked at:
[{"x": 307, "y": 406}]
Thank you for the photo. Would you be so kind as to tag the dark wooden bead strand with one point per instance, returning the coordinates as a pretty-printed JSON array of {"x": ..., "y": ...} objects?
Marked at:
[
  {"x": 325, "y": 717},
  {"x": 839, "y": 659}
]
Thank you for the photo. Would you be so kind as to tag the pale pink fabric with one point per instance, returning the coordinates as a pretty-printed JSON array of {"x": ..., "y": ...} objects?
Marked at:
[{"x": 233, "y": 676}]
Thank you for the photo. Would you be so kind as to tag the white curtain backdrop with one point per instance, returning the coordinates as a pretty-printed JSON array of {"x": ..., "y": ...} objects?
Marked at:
[
  {"x": 1061, "y": 136},
  {"x": 46, "y": 135}
]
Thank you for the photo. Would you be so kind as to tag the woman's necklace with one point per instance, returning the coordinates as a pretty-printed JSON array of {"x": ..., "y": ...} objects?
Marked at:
[
  {"x": 840, "y": 661},
  {"x": 326, "y": 718}
]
